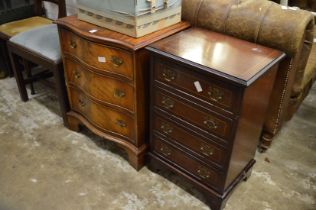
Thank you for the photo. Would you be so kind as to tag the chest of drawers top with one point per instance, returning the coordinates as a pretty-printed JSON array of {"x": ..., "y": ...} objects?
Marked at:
[
  {"x": 236, "y": 60},
  {"x": 105, "y": 36}
]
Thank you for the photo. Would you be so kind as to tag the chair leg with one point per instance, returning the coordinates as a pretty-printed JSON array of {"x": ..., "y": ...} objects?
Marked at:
[
  {"x": 61, "y": 91},
  {"x": 18, "y": 76},
  {"x": 5, "y": 58},
  {"x": 28, "y": 71}
]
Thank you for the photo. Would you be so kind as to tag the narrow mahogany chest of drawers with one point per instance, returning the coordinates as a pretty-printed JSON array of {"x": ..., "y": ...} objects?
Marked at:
[
  {"x": 107, "y": 80},
  {"x": 209, "y": 95}
]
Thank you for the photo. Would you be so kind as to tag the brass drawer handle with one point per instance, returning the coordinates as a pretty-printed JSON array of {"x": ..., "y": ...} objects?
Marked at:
[
  {"x": 204, "y": 173},
  {"x": 116, "y": 61},
  {"x": 121, "y": 123},
  {"x": 165, "y": 151},
  {"x": 215, "y": 94},
  {"x": 119, "y": 93},
  {"x": 77, "y": 75},
  {"x": 169, "y": 75},
  {"x": 207, "y": 150},
  {"x": 167, "y": 103},
  {"x": 166, "y": 128},
  {"x": 210, "y": 123},
  {"x": 73, "y": 44},
  {"x": 82, "y": 103}
]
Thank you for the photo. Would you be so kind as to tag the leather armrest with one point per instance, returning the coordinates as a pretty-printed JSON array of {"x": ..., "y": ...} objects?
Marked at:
[{"x": 266, "y": 23}]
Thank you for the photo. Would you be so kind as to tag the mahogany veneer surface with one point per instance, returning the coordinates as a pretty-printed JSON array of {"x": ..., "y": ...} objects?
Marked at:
[
  {"x": 236, "y": 59},
  {"x": 209, "y": 96},
  {"x": 107, "y": 81}
]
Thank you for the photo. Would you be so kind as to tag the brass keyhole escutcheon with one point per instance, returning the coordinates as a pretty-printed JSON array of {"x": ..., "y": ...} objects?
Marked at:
[
  {"x": 210, "y": 123},
  {"x": 169, "y": 75},
  {"x": 121, "y": 123},
  {"x": 116, "y": 61},
  {"x": 165, "y": 151},
  {"x": 204, "y": 173},
  {"x": 82, "y": 103},
  {"x": 207, "y": 150},
  {"x": 215, "y": 94},
  {"x": 167, "y": 103},
  {"x": 77, "y": 75},
  {"x": 166, "y": 128},
  {"x": 119, "y": 93},
  {"x": 73, "y": 44}
]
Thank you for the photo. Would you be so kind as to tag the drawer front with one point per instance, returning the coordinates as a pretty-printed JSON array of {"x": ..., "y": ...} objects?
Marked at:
[
  {"x": 104, "y": 58},
  {"x": 201, "y": 172},
  {"x": 99, "y": 86},
  {"x": 206, "y": 150},
  {"x": 103, "y": 117},
  {"x": 210, "y": 122},
  {"x": 215, "y": 93}
]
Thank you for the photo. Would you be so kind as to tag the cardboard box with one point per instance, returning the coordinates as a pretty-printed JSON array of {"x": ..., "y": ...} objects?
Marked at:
[{"x": 135, "y": 18}]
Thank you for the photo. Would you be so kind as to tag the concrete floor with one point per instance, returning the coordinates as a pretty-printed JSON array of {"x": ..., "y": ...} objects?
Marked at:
[{"x": 44, "y": 166}]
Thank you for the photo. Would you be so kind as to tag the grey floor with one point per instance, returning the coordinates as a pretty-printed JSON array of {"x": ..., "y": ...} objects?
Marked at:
[{"x": 44, "y": 166}]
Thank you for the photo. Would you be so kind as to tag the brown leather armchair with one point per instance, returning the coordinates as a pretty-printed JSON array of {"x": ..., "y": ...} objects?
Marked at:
[
  {"x": 266, "y": 23},
  {"x": 309, "y": 75}
]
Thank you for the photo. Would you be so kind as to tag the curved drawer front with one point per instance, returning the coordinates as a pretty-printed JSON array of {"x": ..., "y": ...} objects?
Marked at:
[
  {"x": 201, "y": 172},
  {"x": 212, "y": 92},
  {"x": 210, "y": 122},
  {"x": 104, "y": 58},
  {"x": 100, "y": 87},
  {"x": 103, "y": 117},
  {"x": 206, "y": 150}
]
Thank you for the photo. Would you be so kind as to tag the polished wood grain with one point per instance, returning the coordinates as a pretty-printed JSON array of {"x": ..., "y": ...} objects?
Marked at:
[
  {"x": 206, "y": 120},
  {"x": 135, "y": 153},
  {"x": 110, "y": 91},
  {"x": 101, "y": 116},
  {"x": 219, "y": 54},
  {"x": 215, "y": 200},
  {"x": 103, "y": 35},
  {"x": 202, "y": 172},
  {"x": 209, "y": 138},
  {"x": 212, "y": 91},
  {"x": 252, "y": 116},
  {"x": 113, "y": 92},
  {"x": 105, "y": 58},
  {"x": 207, "y": 149}
]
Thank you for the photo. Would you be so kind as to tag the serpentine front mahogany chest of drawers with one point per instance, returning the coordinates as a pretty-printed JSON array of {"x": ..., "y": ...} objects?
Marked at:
[
  {"x": 209, "y": 95},
  {"x": 106, "y": 75}
]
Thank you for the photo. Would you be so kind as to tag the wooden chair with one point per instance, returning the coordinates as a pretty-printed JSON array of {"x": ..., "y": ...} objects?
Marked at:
[
  {"x": 8, "y": 13},
  {"x": 13, "y": 26},
  {"x": 39, "y": 46}
]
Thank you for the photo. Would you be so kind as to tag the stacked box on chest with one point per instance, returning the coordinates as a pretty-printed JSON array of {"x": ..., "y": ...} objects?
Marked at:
[
  {"x": 209, "y": 95},
  {"x": 135, "y": 18}
]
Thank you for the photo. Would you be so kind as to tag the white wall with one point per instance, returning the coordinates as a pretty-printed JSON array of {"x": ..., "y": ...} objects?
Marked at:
[{"x": 52, "y": 12}]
